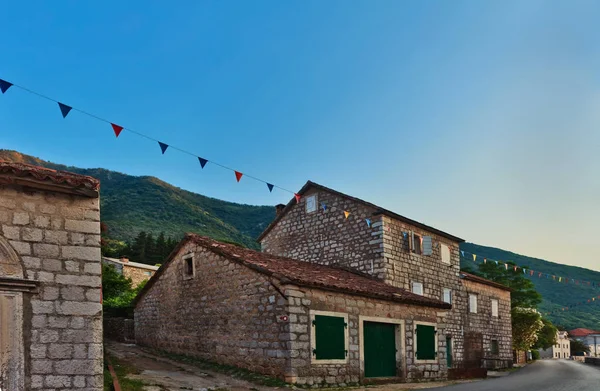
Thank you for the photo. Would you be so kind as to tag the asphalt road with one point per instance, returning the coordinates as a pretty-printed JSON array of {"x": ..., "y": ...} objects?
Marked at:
[{"x": 543, "y": 375}]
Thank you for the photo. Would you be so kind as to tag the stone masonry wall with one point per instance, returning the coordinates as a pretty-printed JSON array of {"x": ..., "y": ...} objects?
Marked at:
[
  {"x": 303, "y": 300},
  {"x": 403, "y": 267},
  {"x": 137, "y": 274},
  {"x": 327, "y": 237},
  {"x": 57, "y": 237},
  {"x": 490, "y": 327},
  {"x": 226, "y": 313}
]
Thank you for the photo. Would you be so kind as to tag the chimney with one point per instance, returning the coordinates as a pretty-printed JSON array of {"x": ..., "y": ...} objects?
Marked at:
[
  {"x": 278, "y": 209},
  {"x": 124, "y": 259}
]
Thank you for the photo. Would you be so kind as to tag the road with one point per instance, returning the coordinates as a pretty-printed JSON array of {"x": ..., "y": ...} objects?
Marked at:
[{"x": 543, "y": 375}]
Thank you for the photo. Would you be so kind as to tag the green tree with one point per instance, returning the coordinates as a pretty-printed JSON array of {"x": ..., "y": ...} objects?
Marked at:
[
  {"x": 150, "y": 250},
  {"x": 138, "y": 248},
  {"x": 526, "y": 324},
  {"x": 546, "y": 336},
  {"x": 523, "y": 293},
  {"x": 114, "y": 284},
  {"x": 578, "y": 347},
  {"x": 161, "y": 248}
]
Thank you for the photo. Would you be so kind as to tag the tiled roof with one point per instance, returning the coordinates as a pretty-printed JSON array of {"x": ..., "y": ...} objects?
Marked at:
[
  {"x": 26, "y": 174},
  {"x": 481, "y": 280},
  {"x": 130, "y": 263},
  {"x": 581, "y": 332},
  {"x": 306, "y": 274},
  {"x": 378, "y": 211}
]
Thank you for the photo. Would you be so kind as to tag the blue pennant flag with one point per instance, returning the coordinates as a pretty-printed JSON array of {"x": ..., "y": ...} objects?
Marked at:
[
  {"x": 4, "y": 85},
  {"x": 202, "y": 162},
  {"x": 461, "y": 251},
  {"x": 64, "y": 109},
  {"x": 163, "y": 147},
  {"x": 323, "y": 206},
  {"x": 270, "y": 186},
  {"x": 368, "y": 222}
]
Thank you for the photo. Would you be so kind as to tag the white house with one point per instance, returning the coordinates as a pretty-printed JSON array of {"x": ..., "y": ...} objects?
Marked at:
[
  {"x": 562, "y": 348},
  {"x": 590, "y": 338}
]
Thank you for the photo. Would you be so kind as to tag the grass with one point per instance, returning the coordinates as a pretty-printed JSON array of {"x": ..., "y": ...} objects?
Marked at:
[
  {"x": 230, "y": 370},
  {"x": 122, "y": 369}
]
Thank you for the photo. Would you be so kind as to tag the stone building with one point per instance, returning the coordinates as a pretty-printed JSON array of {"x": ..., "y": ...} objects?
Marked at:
[
  {"x": 590, "y": 338},
  {"x": 138, "y": 272},
  {"x": 332, "y": 228},
  {"x": 50, "y": 283},
  {"x": 295, "y": 320},
  {"x": 562, "y": 348}
]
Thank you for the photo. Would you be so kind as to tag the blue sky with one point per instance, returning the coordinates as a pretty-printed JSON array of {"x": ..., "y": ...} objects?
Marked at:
[{"x": 479, "y": 118}]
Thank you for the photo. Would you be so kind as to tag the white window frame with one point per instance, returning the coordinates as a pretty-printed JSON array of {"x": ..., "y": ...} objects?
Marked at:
[
  {"x": 437, "y": 356},
  {"x": 495, "y": 313},
  {"x": 313, "y": 337},
  {"x": 415, "y": 284},
  {"x": 311, "y": 203},
  {"x": 184, "y": 259},
  {"x": 449, "y": 291},
  {"x": 445, "y": 249},
  {"x": 472, "y": 308}
]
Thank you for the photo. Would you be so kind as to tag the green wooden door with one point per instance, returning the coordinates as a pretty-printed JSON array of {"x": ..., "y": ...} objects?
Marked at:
[{"x": 380, "y": 349}]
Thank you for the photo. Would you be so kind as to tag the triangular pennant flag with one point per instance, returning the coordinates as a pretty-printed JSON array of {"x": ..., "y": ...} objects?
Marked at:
[
  {"x": 484, "y": 260},
  {"x": 506, "y": 266},
  {"x": 559, "y": 279},
  {"x": 118, "y": 129},
  {"x": 474, "y": 258},
  {"x": 4, "y": 85},
  {"x": 496, "y": 263},
  {"x": 163, "y": 147},
  {"x": 202, "y": 161},
  {"x": 554, "y": 278},
  {"x": 531, "y": 272},
  {"x": 515, "y": 268},
  {"x": 270, "y": 186},
  {"x": 346, "y": 214},
  {"x": 524, "y": 271},
  {"x": 539, "y": 275},
  {"x": 64, "y": 109},
  {"x": 238, "y": 175},
  {"x": 323, "y": 206},
  {"x": 461, "y": 251},
  {"x": 297, "y": 197},
  {"x": 368, "y": 222}
]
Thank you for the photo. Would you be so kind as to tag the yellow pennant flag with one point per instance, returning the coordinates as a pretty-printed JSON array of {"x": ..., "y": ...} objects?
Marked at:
[
  {"x": 559, "y": 279},
  {"x": 346, "y": 213},
  {"x": 593, "y": 299},
  {"x": 474, "y": 257}
]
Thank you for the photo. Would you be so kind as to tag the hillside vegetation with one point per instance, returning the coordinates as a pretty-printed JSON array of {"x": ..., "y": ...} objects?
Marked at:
[{"x": 131, "y": 204}]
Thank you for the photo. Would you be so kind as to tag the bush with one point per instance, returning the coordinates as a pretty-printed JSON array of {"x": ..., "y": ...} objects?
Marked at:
[{"x": 535, "y": 355}]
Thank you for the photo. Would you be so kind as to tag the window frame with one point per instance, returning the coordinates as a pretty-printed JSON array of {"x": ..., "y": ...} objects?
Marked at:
[
  {"x": 415, "y": 342},
  {"x": 414, "y": 243},
  {"x": 313, "y": 337},
  {"x": 312, "y": 197},
  {"x": 187, "y": 258},
  {"x": 412, "y": 288},
  {"x": 492, "y": 301},
  {"x": 471, "y": 305},
  {"x": 444, "y": 290},
  {"x": 497, "y": 344},
  {"x": 442, "y": 247}
]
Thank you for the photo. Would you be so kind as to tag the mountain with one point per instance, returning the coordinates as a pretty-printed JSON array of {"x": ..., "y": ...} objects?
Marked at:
[
  {"x": 556, "y": 294},
  {"x": 130, "y": 204}
]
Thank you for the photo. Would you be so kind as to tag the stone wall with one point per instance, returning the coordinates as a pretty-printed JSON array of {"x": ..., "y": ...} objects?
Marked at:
[
  {"x": 137, "y": 274},
  {"x": 225, "y": 313},
  {"x": 489, "y": 327},
  {"x": 305, "y": 371},
  {"x": 119, "y": 329},
  {"x": 327, "y": 237},
  {"x": 57, "y": 238}
]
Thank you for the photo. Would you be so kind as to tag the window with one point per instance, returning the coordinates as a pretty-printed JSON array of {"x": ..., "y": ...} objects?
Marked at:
[
  {"x": 329, "y": 338},
  {"x": 426, "y": 245},
  {"x": 415, "y": 243},
  {"x": 472, "y": 303},
  {"x": 494, "y": 308},
  {"x": 188, "y": 266},
  {"x": 445, "y": 253},
  {"x": 311, "y": 203},
  {"x": 494, "y": 348},
  {"x": 417, "y": 288},
  {"x": 447, "y": 296},
  {"x": 426, "y": 342}
]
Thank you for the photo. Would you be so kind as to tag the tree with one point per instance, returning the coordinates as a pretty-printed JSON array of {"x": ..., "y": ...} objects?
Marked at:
[
  {"x": 150, "y": 250},
  {"x": 546, "y": 336},
  {"x": 161, "y": 248},
  {"x": 526, "y": 324},
  {"x": 578, "y": 347},
  {"x": 138, "y": 248},
  {"x": 523, "y": 293},
  {"x": 114, "y": 284}
]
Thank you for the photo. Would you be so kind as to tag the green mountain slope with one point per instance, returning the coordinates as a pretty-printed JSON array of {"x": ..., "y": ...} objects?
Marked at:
[
  {"x": 131, "y": 204},
  {"x": 556, "y": 295}
]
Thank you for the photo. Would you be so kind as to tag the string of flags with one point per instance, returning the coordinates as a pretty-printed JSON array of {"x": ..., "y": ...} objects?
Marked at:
[
  {"x": 65, "y": 110},
  {"x": 529, "y": 272},
  {"x": 578, "y": 304}
]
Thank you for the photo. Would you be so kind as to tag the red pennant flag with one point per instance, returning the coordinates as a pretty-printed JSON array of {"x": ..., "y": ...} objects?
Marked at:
[
  {"x": 118, "y": 129},
  {"x": 515, "y": 268},
  {"x": 540, "y": 275},
  {"x": 297, "y": 196},
  {"x": 531, "y": 272},
  {"x": 238, "y": 175}
]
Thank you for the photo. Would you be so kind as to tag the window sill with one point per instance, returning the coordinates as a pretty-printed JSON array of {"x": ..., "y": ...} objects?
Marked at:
[
  {"x": 314, "y": 361},
  {"x": 435, "y": 361}
]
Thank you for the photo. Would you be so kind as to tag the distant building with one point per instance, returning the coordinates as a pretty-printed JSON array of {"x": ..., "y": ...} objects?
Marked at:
[
  {"x": 138, "y": 272},
  {"x": 591, "y": 338},
  {"x": 562, "y": 348}
]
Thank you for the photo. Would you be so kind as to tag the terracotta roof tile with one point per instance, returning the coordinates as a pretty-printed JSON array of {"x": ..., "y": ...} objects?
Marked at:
[
  {"x": 307, "y": 274},
  {"x": 67, "y": 179},
  {"x": 581, "y": 332}
]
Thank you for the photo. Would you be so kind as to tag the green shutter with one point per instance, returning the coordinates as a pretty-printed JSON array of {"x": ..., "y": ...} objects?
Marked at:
[
  {"x": 425, "y": 342},
  {"x": 330, "y": 338}
]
